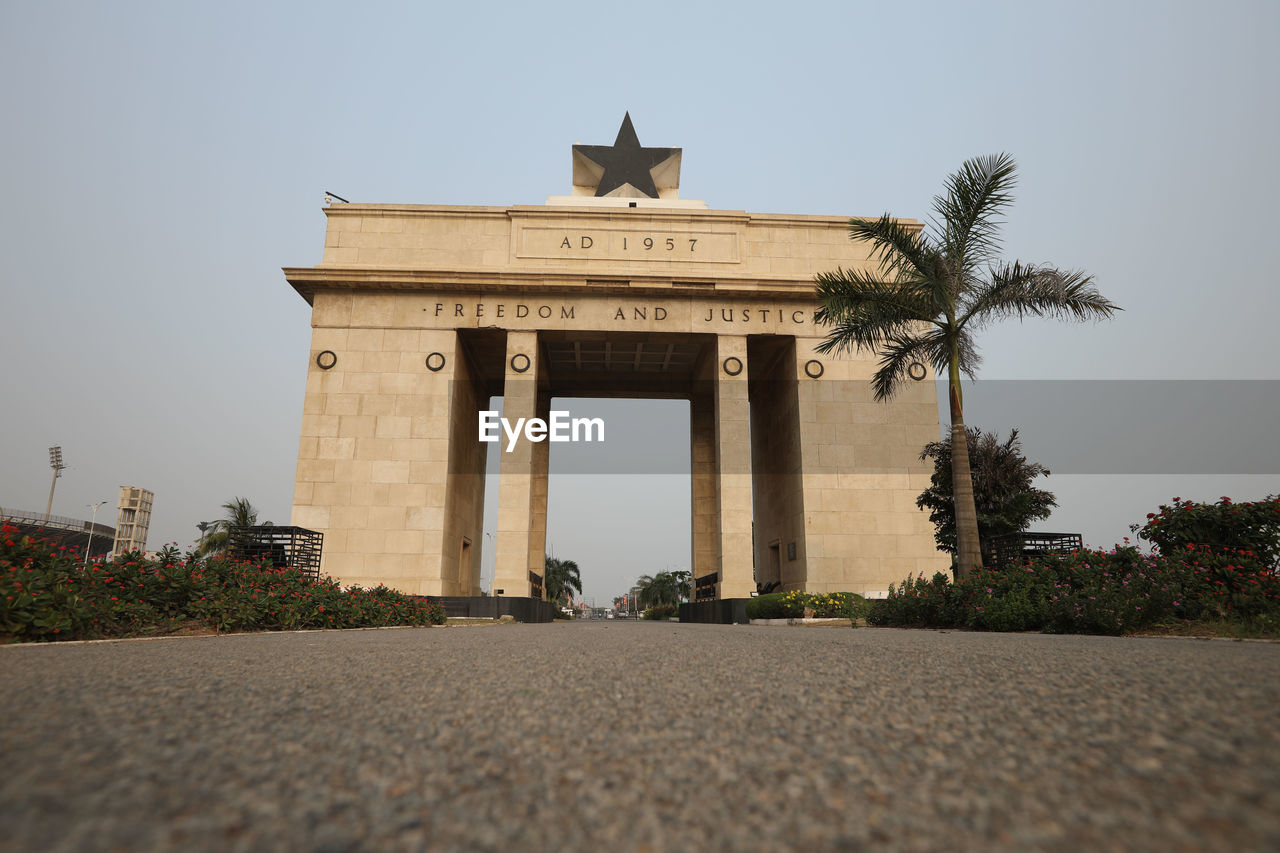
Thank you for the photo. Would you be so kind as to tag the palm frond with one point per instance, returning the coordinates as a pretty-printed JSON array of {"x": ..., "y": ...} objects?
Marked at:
[
  {"x": 908, "y": 258},
  {"x": 900, "y": 252},
  {"x": 967, "y": 347},
  {"x": 240, "y": 513},
  {"x": 1018, "y": 290},
  {"x": 864, "y": 311},
  {"x": 970, "y": 209},
  {"x": 900, "y": 352}
]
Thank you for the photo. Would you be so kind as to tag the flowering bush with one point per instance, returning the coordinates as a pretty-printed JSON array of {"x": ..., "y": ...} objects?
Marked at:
[
  {"x": 770, "y": 606},
  {"x": 1250, "y": 526},
  {"x": 791, "y": 605},
  {"x": 1093, "y": 592},
  {"x": 47, "y": 593},
  {"x": 828, "y": 605}
]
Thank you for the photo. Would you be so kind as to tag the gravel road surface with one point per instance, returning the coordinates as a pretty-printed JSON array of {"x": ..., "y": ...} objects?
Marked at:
[{"x": 640, "y": 736}]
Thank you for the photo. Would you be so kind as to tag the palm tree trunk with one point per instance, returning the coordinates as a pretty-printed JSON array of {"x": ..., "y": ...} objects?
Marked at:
[{"x": 968, "y": 548}]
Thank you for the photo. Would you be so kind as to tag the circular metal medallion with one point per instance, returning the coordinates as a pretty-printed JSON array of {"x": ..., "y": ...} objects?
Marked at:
[
  {"x": 917, "y": 371},
  {"x": 520, "y": 362},
  {"x": 326, "y": 359},
  {"x": 733, "y": 365},
  {"x": 813, "y": 368},
  {"x": 435, "y": 362}
]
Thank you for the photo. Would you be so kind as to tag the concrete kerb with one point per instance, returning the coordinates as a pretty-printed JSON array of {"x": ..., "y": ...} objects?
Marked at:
[{"x": 808, "y": 623}]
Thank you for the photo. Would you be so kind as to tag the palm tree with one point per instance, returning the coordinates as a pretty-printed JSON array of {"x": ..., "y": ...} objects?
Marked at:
[
  {"x": 932, "y": 292},
  {"x": 561, "y": 580},
  {"x": 662, "y": 588},
  {"x": 239, "y": 513}
]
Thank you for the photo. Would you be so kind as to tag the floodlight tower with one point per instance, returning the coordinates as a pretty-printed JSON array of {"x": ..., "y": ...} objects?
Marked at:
[{"x": 55, "y": 462}]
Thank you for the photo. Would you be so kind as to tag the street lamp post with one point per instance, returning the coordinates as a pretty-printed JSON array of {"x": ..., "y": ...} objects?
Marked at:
[
  {"x": 55, "y": 462},
  {"x": 92, "y": 524}
]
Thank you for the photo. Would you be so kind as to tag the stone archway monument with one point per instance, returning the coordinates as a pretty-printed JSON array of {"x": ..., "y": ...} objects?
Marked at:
[{"x": 421, "y": 313}]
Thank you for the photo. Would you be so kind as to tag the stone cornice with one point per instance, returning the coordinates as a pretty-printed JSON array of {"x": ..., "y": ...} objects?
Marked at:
[
  {"x": 308, "y": 280},
  {"x": 566, "y": 211}
]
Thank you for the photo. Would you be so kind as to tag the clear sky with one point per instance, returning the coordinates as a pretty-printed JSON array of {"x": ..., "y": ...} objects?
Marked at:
[{"x": 161, "y": 161}]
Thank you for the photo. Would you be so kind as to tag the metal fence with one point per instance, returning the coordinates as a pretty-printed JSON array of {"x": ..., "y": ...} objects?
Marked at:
[
  {"x": 55, "y": 522},
  {"x": 63, "y": 531},
  {"x": 704, "y": 587},
  {"x": 1005, "y": 550},
  {"x": 286, "y": 547}
]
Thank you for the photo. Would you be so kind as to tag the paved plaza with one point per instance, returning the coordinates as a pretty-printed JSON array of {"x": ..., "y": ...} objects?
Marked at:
[{"x": 649, "y": 736}]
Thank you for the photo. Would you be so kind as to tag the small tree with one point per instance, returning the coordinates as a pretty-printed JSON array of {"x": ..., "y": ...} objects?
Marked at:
[
  {"x": 663, "y": 588},
  {"x": 562, "y": 579},
  {"x": 240, "y": 512},
  {"x": 932, "y": 293},
  {"x": 1002, "y": 492}
]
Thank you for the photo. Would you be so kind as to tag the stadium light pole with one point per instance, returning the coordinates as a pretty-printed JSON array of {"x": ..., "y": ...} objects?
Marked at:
[
  {"x": 92, "y": 524},
  {"x": 55, "y": 462}
]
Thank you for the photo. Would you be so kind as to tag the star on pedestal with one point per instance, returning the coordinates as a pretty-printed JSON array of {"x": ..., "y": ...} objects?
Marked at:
[{"x": 625, "y": 168}]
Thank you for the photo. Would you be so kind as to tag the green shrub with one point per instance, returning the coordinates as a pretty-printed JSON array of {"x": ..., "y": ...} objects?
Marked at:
[
  {"x": 1016, "y": 610},
  {"x": 1250, "y": 526},
  {"x": 771, "y": 605},
  {"x": 916, "y": 603},
  {"x": 46, "y": 593},
  {"x": 1092, "y": 592},
  {"x": 791, "y": 605},
  {"x": 829, "y": 605},
  {"x": 661, "y": 611}
]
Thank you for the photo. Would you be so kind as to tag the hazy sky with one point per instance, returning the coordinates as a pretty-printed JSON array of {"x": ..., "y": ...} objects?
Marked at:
[{"x": 161, "y": 161}]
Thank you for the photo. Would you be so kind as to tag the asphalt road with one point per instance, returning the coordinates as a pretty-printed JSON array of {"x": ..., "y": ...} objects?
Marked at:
[{"x": 640, "y": 736}]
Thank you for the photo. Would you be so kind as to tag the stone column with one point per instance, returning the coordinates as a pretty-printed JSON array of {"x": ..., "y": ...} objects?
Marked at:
[
  {"x": 373, "y": 461},
  {"x": 703, "y": 478},
  {"x": 777, "y": 487},
  {"x": 733, "y": 459},
  {"x": 516, "y": 479},
  {"x": 539, "y": 467},
  {"x": 862, "y": 474},
  {"x": 464, "y": 489}
]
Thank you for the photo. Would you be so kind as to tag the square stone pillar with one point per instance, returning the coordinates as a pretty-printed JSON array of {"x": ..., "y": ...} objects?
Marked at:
[
  {"x": 704, "y": 505},
  {"x": 733, "y": 466},
  {"x": 516, "y": 472},
  {"x": 374, "y": 459},
  {"x": 539, "y": 467},
  {"x": 464, "y": 490},
  {"x": 777, "y": 481},
  {"x": 862, "y": 474}
]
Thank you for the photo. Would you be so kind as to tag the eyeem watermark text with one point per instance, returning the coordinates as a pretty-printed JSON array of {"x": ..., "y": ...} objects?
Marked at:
[{"x": 561, "y": 427}]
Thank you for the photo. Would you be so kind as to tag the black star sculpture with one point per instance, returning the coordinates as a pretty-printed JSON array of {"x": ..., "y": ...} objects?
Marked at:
[{"x": 625, "y": 168}]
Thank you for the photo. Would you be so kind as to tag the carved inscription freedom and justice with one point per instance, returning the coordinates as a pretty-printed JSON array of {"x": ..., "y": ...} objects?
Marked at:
[{"x": 487, "y": 310}]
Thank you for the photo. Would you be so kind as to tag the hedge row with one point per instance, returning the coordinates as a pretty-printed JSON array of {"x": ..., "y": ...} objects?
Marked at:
[
  {"x": 791, "y": 605},
  {"x": 1214, "y": 561},
  {"x": 1093, "y": 592},
  {"x": 47, "y": 593}
]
